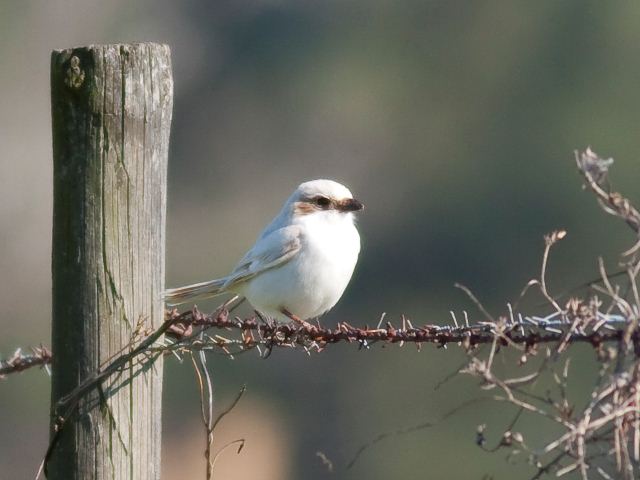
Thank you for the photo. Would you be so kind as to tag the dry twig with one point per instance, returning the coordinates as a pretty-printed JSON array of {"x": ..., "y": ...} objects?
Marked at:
[{"x": 609, "y": 425}]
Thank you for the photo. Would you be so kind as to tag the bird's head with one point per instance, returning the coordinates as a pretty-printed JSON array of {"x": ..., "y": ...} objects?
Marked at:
[{"x": 324, "y": 197}]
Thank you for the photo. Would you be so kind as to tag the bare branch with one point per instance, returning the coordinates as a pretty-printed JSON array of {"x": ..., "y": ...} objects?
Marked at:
[{"x": 594, "y": 169}]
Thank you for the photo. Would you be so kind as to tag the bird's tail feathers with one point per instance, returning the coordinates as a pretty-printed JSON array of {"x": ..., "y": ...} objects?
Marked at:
[{"x": 197, "y": 291}]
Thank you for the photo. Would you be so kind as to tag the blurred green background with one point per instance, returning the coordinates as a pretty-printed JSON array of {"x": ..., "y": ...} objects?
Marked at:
[{"x": 453, "y": 121}]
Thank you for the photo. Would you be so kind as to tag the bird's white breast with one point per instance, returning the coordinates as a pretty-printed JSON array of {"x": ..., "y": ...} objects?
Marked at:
[{"x": 314, "y": 280}]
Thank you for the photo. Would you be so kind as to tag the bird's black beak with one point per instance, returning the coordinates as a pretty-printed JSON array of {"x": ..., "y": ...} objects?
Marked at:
[{"x": 350, "y": 205}]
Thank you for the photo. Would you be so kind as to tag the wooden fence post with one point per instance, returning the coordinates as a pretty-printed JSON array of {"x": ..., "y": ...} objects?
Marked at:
[{"x": 111, "y": 111}]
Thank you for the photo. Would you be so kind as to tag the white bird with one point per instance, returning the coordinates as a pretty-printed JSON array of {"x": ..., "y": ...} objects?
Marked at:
[{"x": 302, "y": 261}]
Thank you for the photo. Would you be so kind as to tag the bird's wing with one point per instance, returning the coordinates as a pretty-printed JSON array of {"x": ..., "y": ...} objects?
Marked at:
[{"x": 273, "y": 250}]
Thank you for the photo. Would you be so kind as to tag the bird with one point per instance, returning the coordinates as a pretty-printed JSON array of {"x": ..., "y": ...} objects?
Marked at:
[{"x": 301, "y": 263}]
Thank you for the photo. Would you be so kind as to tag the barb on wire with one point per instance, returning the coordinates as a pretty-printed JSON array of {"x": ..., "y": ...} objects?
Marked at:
[{"x": 19, "y": 361}]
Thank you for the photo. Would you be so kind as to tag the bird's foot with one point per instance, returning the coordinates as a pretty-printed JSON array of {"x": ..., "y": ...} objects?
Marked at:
[{"x": 297, "y": 319}]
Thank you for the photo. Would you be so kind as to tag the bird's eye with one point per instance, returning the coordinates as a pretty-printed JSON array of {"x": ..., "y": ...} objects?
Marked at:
[{"x": 323, "y": 202}]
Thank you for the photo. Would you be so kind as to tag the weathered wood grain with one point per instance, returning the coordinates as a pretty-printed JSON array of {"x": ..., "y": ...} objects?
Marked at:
[{"x": 111, "y": 111}]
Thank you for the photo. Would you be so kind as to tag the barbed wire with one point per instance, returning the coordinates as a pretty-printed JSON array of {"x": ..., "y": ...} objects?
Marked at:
[
  {"x": 39, "y": 357},
  {"x": 580, "y": 324},
  {"x": 593, "y": 327},
  {"x": 607, "y": 427}
]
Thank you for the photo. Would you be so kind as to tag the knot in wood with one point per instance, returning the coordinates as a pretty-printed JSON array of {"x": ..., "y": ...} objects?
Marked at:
[{"x": 74, "y": 75}]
